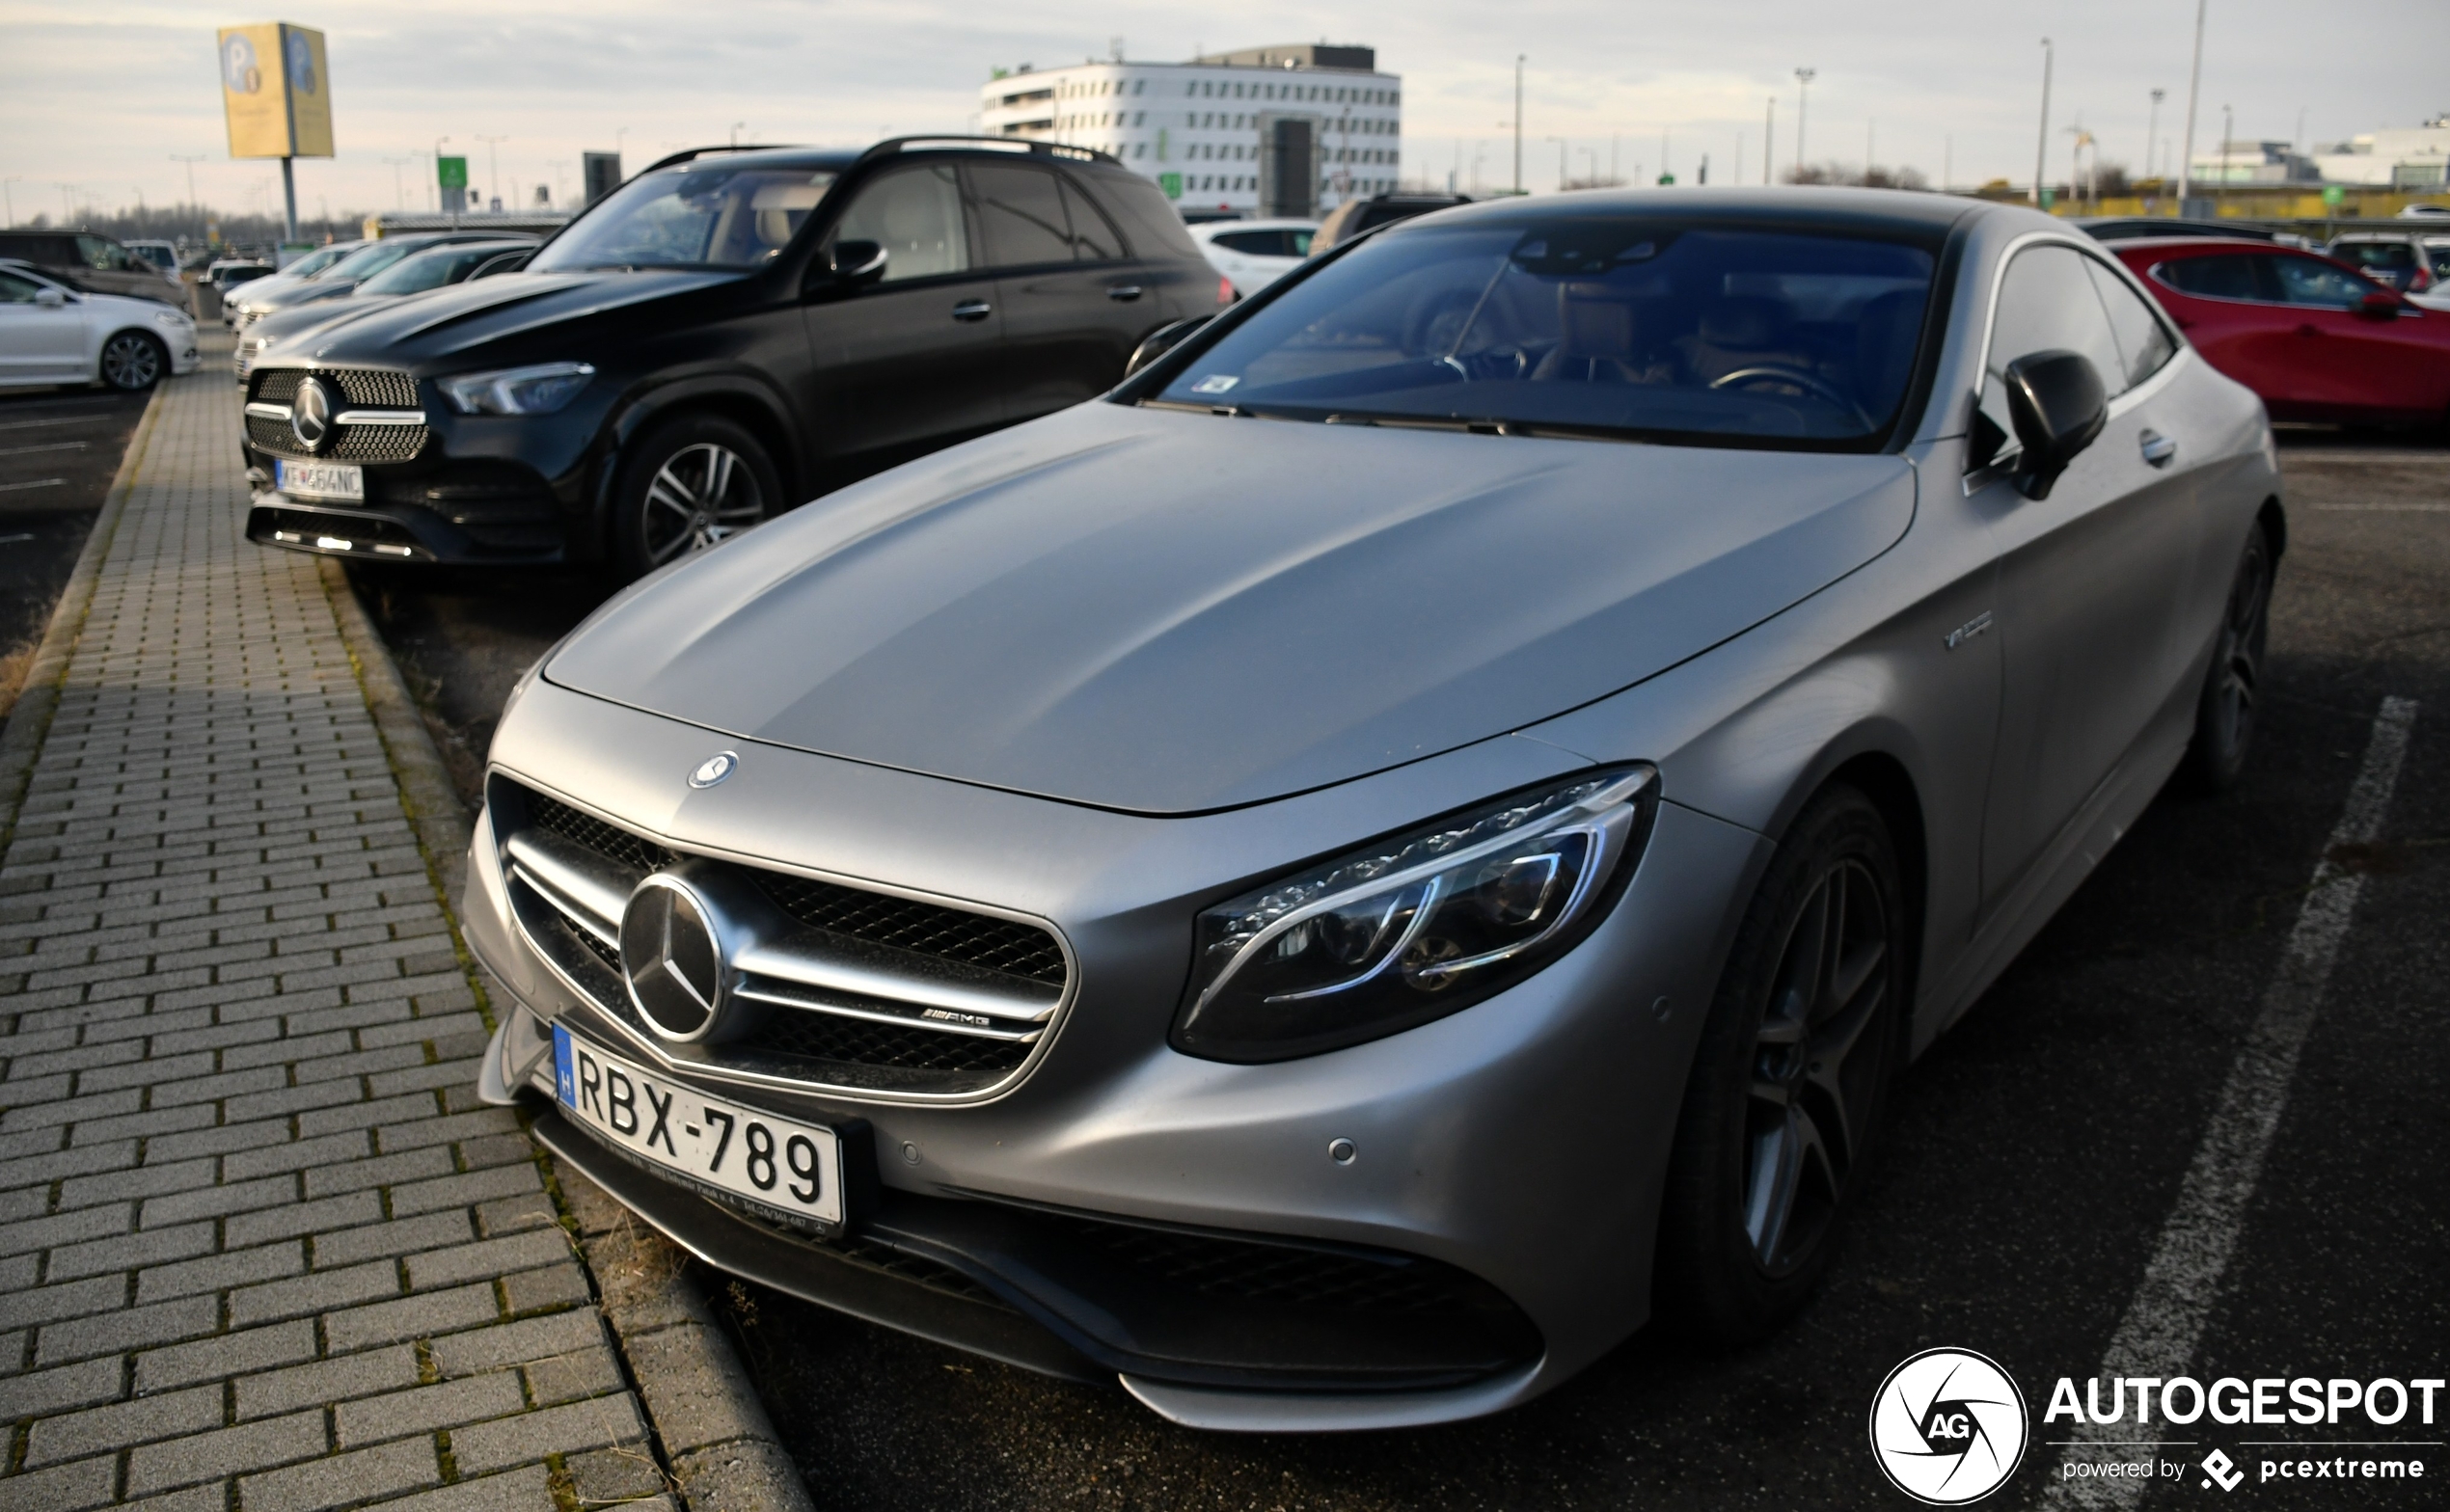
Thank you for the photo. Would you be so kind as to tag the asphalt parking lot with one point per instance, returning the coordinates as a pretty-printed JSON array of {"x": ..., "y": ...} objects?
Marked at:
[
  {"x": 2033, "y": 1155},
  {"x": 59, "y": 449}
]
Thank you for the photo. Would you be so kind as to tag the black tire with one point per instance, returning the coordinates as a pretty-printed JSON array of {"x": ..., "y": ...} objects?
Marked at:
[
  {"x": 1773, "y": 1140},
  {"x": 133, "y": 361},
  {"x": 676, "y": 495},
  {"x": 2226, "y": 711}
]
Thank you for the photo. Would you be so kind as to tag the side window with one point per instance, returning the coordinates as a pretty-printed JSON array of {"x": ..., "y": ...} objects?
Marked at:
[
  {"x": 1094, "y": 239},
  {"x": 95, "y": 253},
  {"x": 2047, "y": 303},
  {"x": 2305, "y": 281},
  {"x": 1021, "y": 209},
  {"x": 15, "y": 290},
  {"x": 2143, "y": 341},
  {"x": 2224, "y": 276},
  {"x": 915, "y": 215}
]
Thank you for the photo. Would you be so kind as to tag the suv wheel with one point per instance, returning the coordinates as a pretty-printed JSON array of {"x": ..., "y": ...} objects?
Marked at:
[
  {"x": 690, "y": 484},
  {"x": 1789, "y": 1079},
  {"x": 132, "y": 361}
]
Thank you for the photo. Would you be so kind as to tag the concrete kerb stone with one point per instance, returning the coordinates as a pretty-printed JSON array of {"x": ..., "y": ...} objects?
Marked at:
[
  {"x": 39, "y": 699},
  {"x": 715, "y": 1433}
]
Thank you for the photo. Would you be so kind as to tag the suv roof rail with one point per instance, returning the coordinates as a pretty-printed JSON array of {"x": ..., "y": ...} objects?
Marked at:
[
  {"x": 690, "y": 155},
  {"x": 955, "y": 142}
]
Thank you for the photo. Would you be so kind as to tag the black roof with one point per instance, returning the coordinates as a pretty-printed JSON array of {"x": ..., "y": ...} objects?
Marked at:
[{"x": 1895, "y": 210}]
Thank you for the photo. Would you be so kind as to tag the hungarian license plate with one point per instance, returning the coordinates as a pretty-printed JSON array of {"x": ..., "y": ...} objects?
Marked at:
[
  {"x": 321, "y": 480},
  {"x": 793, "y": 1168}
]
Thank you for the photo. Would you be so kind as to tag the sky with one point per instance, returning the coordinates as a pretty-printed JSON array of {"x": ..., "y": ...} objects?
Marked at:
[{"x": 99, "y": 99}]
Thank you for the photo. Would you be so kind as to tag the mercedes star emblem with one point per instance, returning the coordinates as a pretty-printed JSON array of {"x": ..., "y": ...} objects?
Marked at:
[
  {"x": 672, "y": 957},
  {"x": 310, "y": 415},
  {"x": 715, "y": 768}
]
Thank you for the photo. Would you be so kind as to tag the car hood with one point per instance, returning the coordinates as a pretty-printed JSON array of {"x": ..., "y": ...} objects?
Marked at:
[
  {"x": 443, "y": 322},
  {"x": 1168, "y": 612}
]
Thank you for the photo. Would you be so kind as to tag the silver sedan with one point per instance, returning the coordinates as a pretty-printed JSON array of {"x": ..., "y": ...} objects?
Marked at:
[{"x": 1414, "y": 837}]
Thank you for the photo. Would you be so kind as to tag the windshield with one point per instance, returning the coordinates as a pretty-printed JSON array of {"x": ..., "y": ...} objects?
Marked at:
[
  {"x": 322, "y": 258},
  {"x": 430, "y": 269},
  {"x": 714, "y": 216},
  {"x": 1621, "y": 326},
  {"x": 373, "y": 259}
]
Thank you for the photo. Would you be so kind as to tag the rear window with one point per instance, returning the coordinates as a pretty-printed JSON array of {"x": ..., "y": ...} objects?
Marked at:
[
  {"x": 1282, "y": 242},
  {"x": 1147, "y": 221},
  {"x": 1621, "y": 325},
  {"x": 2389, "y": 256},
  {"x": 2220, "y": 278}
]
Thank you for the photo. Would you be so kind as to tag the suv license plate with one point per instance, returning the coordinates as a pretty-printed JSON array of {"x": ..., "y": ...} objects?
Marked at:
[
  {"x": 321, "y": 480},
  {"x": 793, "y": 1168}
]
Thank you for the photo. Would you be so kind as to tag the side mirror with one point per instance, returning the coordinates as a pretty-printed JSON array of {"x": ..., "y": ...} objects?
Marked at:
[
  {"x": 856, "y": 263},
  {"x": 1161, "y": 341},
  {"x": 49, "y": 297},
  {"x": 2058, "y": 405},
  {"x": 2380, "y": 305}
]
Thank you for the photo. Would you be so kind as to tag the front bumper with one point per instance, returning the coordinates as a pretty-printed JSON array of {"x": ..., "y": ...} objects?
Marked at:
[{"x": 1518, "y": 1146}]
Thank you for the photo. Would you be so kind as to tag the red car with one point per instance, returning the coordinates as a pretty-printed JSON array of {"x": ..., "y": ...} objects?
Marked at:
[{"x": 2312, "y": 335}]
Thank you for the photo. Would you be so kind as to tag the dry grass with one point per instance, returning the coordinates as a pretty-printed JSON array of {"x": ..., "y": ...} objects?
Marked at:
[{"x": 13, "y": 669}]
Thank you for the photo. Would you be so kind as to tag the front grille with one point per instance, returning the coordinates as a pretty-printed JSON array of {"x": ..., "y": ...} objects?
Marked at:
[
  {"x": 373, "y": 388},
  {"x": 351, "y": 442},
  {"x": 973, "y": 939},
  {"x": 928, "y": 945},
  {"x": 1218, "y": 1266}
]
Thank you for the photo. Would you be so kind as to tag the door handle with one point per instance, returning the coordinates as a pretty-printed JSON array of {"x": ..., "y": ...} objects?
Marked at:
[
  {"x": 1126, "y": 292},
  {"x": 972, "y": 310},
  {"x": 2158, "y": 449}
]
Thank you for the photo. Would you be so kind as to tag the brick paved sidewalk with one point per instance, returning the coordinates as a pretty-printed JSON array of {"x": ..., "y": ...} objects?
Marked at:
[{"x": 260, "y": 1249}]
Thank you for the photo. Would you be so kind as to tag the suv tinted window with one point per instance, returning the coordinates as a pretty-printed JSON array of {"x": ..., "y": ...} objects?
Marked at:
[
  {"x": 2242, "y": 277},
  {"x": 2047, "y": 303},
  {"x": 1266, "y": 244},
  {"x": 1021, "y": 209},
  {"x": 17, "y": 288},
  {"x": 1141, "y": 206},
  {"x": 56, "y": 251},
  {"x": 2302, "y": 280},
  {"x": 2143, "y": 341},
  {"x": 915, "y": 215},
  {"x": 1094, "y": 239},
  {"x": 2390, "y": 257},
  {"x": 716, "y": 214}
]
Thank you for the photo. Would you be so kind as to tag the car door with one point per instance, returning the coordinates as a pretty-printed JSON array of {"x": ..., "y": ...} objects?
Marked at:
[
  {"x": 2228, "y": 303},
  {"x": 2096, "y": 578},
  {"x": 40, "y": 342},
  {"x": 1073, "y": 302},
  {"x": 909, "y": 361},
  {"x": 2353, "y": 362}
]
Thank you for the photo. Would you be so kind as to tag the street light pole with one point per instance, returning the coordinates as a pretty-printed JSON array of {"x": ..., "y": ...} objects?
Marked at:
[
  {"x": 2041, "y": 142},
  {"x": 1518, "y": 123},
  {"x": 438, "y": 175},
  {"x": 1769, "y": 140},
  {"x": 2152, "y": 131},
  {"x": 2195, "y": 83},
  {"x": 7, "y": 200},
  {"x": 2228, "y": 134},
  {"x": 493, "y": 164},
  {"x": 1803, "y": 94}
]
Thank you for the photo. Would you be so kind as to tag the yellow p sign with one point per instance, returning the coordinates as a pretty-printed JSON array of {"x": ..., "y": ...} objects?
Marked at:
[{"x": 276, "y": 91}]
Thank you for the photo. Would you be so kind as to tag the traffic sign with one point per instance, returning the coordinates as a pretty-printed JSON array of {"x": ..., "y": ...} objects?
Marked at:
[{"x": 451, "y": 173}]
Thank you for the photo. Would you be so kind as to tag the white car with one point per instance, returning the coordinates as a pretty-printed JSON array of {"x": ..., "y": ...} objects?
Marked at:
[
  {"x": 1252, "y": 254},
  {"x": 51, "y": 334}
]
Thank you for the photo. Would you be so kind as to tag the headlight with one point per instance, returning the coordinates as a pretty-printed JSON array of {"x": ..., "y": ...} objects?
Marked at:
[
  {"x": 540, "y": 390},
  {"x": 1416, "y": 927},
  {"x": 173, "y": 320}
]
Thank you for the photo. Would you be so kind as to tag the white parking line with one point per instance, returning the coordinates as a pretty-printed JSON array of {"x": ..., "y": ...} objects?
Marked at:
[
  {"x": 39, "y": 482},
  {"x": 48, "y": 446},
  {"x": 2383, "y": 509},
  {"x": 65, "y": 420},
  {"x": 2165, "y": 1319}
]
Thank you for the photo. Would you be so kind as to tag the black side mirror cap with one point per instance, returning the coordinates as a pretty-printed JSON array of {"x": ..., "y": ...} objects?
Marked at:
[
  {"x": 2058, "y": 405},
  {"x": 1161, "y": 341},
  {"x": 858, "y": 261}
]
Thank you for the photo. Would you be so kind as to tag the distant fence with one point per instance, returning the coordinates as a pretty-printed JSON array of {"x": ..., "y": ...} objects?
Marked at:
[{"x": 397, "y": 222}]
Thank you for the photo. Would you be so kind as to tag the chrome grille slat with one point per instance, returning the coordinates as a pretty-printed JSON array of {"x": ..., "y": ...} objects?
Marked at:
[{"x": 760, "y": 989}]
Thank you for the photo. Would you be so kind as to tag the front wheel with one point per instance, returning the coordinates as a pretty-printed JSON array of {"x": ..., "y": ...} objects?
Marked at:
[
  {"x": 690, "y": 484},
  {"x": 2233, "y": 685},
  {"x": 1789, "y": 1080},
  {"x": 132, "y": 361}
]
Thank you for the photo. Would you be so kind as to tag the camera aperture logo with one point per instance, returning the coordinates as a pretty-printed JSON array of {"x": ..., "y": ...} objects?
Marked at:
[{"x": 1949, "y": 1426}]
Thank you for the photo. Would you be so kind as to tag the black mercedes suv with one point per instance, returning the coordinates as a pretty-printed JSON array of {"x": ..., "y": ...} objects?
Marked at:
[{"x": 727, "y": 334}]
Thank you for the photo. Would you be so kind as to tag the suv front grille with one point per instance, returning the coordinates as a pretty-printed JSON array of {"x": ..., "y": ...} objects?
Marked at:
[
  {"x": 375, "y": 388},
  {"x": 872, "y": 991},
  {"x": 361, "y": 388}
]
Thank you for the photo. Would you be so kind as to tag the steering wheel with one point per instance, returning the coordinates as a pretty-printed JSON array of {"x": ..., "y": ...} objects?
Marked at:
[{"x": 1793, "y": 378}]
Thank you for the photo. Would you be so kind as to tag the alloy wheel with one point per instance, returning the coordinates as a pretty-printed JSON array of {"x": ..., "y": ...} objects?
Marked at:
[
  {"x": 2239, "y": 677},
  {"x": 1815, "y": 1070},
  {"x": 702, "y": 495},
  {"x": 130, "y": 361}
]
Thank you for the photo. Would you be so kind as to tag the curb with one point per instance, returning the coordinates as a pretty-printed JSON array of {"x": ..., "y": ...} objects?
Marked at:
[
  {"x": 717, "y": 1439},
  {"x": 29, "y": 718}
]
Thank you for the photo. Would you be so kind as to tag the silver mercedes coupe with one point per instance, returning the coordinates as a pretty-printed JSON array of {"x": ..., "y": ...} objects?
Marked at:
[{"x": 1335, "y": 882}]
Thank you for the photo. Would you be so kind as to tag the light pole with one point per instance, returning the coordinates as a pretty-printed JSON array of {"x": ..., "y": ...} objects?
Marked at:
[
  {"x": 2041, "y": 143},
  {"x": 735, "y": 131},
  {"x": 438, "y": 175},
  {"x": 2152, "y": 131},
  {"x": 1769, "y": 140},
  {"x": 191, "y": 162},
  {"x": 1518, "y": 123},
  {"x": 1867, "y": 140},
  {"x": 1561, "y": 161},
  {"x": 2228, "y": 134},
  {"x": 2194, "y": 85},
  {"x": 399, "y": 191},
  {"x": 7, "y": 200},
  {"x": 1947, "y": 161},
  {"x": 1803, "y": 93},
  {"x": 493, "y": 164}
]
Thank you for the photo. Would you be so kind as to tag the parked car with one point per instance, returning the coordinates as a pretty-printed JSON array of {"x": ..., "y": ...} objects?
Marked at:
[
  {"x": 228, "y": 273},
  {"x": 1354, "y": 216},
  {"x": 1252, "y": 254},
  {"x": 2315, "y": 337},
  {"x": 54, "y": 333},
  {"x": 272, "y": 278},
  {"x": 87, "y": 260},
  {"x": 435, "y": 267},
  {"x": 2411, "y": 261},
  {"x": 161, "y": 255},
  {"x": 2423, "y": 213},
  {"x": 727, "y": 334},
  {"x": 1336, "y": 882},
  {"x": 339, "y": 277}
]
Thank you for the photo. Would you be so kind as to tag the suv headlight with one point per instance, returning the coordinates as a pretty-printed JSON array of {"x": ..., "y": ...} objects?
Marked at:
[
  {"x": 1416, "y": 927},
  {"x": 540, "y": 390}
]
